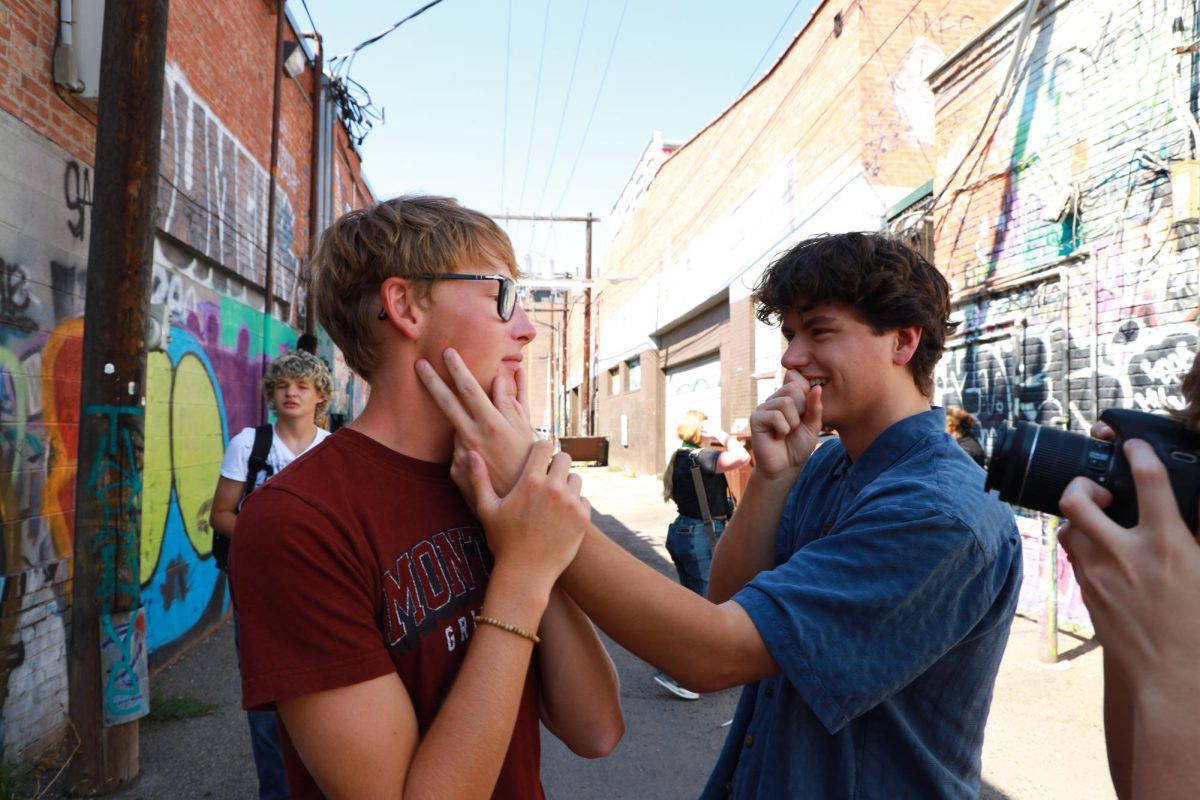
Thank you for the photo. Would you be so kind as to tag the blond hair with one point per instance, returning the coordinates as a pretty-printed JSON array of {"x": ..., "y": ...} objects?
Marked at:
[
  {"x": 300, "y": 366},
  {"x": 689, "y": 430},
  {"x": 405, "y": 237},
  {"x": 690, "y": 427}
]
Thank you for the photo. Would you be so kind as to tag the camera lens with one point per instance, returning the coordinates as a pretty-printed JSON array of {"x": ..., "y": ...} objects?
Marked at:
[{"x": 1032, "y": 465}]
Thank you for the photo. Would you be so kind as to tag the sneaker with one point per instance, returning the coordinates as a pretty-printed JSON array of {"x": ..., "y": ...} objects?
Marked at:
[{"x": 667, "y": 682}]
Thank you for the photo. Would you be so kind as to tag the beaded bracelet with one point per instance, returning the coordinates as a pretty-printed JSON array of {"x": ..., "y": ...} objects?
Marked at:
[{"x": 504, "y": 626}]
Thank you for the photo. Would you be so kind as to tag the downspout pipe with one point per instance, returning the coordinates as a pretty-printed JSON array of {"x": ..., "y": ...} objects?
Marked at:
[
  {"x": 314, "y": 185},
  {"x": 269, "y": 276},
  {"x": 269, "y": 273}
]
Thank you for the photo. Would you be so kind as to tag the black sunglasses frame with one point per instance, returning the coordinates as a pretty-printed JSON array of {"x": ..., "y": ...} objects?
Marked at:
[{"x": 506, "y": 300}]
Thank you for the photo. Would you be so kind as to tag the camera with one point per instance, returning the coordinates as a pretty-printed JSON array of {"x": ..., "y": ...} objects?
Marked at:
[{"x": 1031, "y": 465}]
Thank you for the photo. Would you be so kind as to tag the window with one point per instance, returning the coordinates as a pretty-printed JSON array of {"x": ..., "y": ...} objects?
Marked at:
[
  {"x": 614, "y": 381},
  {"x": 633, "y": 368}
]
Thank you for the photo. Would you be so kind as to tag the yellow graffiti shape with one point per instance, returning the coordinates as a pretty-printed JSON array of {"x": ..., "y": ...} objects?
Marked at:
[
  {"x": 156, "y": 462},
  {"x": 196, "y": 447}
]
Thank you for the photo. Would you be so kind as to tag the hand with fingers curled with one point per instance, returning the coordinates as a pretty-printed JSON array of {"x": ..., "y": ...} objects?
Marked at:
[
  {"x": 538, "y": 525},
  {"x": 785, "y": 427},
  {"x": 495, "y": 427},
  {"x": 1141, "y": 586}
]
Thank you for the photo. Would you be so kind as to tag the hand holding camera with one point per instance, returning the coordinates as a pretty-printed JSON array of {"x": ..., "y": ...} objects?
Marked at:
[{"x": 1031, "y": 465}]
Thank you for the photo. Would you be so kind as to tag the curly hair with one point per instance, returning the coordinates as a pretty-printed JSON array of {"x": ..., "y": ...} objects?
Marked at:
[
  {"x": 299, "y": 365},
  {"x": 403, "y": 238},
  {"x": 887, "y": 283}
]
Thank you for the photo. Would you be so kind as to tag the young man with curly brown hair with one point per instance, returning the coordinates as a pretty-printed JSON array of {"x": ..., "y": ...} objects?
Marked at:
[{"x": 863, "y": 590}]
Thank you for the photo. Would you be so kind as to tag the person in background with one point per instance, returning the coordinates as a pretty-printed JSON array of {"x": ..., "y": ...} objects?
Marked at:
[
  {"x": 1142, "y": 590},
  {"x": 689, "y": 538},
  {"x": 297, "y": 388},
  {"x": 307, "y": 342},
  {"x": 962, "y": 426}
]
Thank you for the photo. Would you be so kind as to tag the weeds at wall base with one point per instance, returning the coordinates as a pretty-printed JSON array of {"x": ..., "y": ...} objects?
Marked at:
[{"x": 165, "y": 708}]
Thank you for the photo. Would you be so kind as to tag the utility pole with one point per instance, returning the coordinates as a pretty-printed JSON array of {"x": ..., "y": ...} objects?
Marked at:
[
  {"x": 585, "y": 402},
  {"x": 566, "y": 360},
  {"x": 108, "y": 691},
  {"x": 585, "y": 394}
]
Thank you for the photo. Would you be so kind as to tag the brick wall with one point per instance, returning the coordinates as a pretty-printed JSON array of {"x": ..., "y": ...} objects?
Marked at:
[{"x": 28, "y": 31}]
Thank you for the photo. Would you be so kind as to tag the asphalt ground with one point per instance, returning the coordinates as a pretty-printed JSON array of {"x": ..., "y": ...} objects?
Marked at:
[{"x": 1044, "y": 737}]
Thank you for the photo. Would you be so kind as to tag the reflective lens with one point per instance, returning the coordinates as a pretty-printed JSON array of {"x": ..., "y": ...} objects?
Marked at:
[{"x": 506, "y": 301}]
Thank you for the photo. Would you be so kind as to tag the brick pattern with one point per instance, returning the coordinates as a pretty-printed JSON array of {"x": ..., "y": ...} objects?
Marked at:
[
  {"x": 1059, "y": 234},
  {"x": 28, "y": 30},
  {"x": 34, "y": 617}
]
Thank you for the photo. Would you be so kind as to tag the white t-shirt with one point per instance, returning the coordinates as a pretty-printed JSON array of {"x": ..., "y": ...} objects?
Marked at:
[{"x": 237, "y": 454}]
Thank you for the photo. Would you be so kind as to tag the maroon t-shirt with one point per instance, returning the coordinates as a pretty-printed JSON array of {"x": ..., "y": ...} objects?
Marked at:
[{"x": 354, "y": 562}]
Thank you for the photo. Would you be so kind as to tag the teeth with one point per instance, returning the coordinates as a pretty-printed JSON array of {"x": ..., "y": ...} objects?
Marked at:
[{"x": 817, "y": 381}]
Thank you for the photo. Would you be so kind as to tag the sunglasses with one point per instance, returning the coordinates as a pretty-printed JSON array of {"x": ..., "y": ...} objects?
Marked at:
[{"x": 506, "y": 300}]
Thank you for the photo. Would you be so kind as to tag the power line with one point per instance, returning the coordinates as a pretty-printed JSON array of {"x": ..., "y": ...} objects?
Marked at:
[
  {"x": 353, "y": 52},
  {"x": 537, "y": 96},
  {"x": 504, "y": 135},
  {"x": 308, "y": 14},
  {"x": 599, "y": 91},
  {"x": 770, "y": 45},
  {"x": 566, "y": 103}
]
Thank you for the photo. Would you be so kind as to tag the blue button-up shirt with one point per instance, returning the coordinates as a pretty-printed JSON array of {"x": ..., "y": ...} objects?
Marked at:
[{"x": 888, "y": 610}]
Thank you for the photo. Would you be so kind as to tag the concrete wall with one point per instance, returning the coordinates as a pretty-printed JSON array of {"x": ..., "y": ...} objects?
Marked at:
[
  {"x": 208, "y": 270},
  {"x": 1076, "y": 284}
]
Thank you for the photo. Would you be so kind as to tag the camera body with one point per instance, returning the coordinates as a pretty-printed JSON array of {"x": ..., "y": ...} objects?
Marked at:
[{"x": 1031, "y": 465}]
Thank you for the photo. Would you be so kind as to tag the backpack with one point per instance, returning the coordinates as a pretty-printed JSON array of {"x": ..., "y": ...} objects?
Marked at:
[{"x": 263, "y": 436}]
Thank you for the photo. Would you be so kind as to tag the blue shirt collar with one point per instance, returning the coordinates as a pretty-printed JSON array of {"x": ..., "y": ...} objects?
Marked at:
[{"x": 893, "y": 443}]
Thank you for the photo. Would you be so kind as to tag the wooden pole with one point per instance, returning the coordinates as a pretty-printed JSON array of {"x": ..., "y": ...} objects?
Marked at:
[
  {"x": 106, "y": 589},
  {"x": 585, "y": 398}
]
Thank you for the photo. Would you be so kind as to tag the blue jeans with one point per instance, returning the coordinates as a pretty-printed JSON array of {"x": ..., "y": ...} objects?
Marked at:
[
  {"x": 264, "y": 741},
  {"x": 690, "y": 549}
]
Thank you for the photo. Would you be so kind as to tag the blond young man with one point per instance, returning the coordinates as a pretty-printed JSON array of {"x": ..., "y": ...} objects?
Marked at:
[{"x": 409, "y": 649}]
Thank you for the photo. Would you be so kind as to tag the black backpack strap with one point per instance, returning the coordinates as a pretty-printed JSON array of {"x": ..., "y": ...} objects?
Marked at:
[
  {"x": 264, "y": 435},
  {"x": 702, "y": 498}
]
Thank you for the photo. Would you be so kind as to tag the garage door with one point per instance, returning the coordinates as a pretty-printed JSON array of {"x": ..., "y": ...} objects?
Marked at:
[{"x": 697, "y": 386}]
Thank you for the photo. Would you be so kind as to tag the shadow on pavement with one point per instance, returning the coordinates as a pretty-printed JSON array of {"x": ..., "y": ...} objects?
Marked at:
[
  {"x": 1083, "y": 648},
  {"x": 634, "y": 543},
  {"x": 989, "y": 792}
]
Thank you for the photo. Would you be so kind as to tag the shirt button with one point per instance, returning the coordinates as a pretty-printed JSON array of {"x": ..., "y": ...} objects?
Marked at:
[
  {"x": 770, "y": 692},
  {"x": 729, "y": 786},
  {"x": 749, "y": 741}
]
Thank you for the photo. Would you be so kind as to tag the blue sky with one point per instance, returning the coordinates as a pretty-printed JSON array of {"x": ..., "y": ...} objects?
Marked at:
[{"x": 441, "y": 80}]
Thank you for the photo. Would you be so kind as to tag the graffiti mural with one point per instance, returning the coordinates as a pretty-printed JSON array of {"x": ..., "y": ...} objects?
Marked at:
[
  {"x": 1074, "y": 275},
  {"x": 200, "y": 390}
]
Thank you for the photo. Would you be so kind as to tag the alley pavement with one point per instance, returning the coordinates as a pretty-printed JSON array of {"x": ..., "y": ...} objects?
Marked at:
[{"x": 1044, "y": 737}]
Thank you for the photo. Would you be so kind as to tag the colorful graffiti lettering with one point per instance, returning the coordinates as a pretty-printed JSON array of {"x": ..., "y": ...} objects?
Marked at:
[
  {"x": 124, "y": 667},
  {"x": 115, "y": 482}
]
